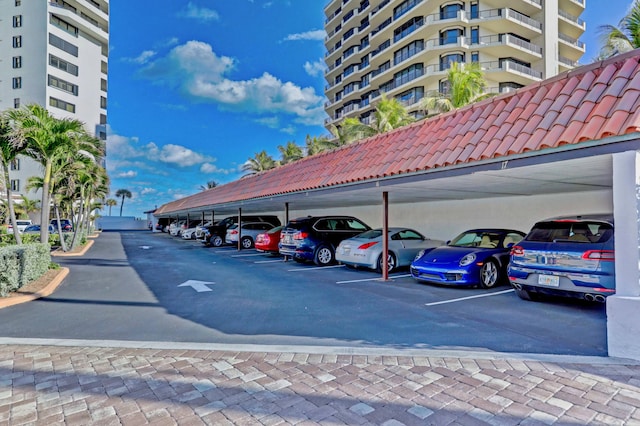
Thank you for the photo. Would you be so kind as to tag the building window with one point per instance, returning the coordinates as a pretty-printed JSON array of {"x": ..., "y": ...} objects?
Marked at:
[
  {"x": 103, "y": 102},
  {"x": 63, "y": 65},
  {"x": 17, "y": 62},
  {"x": 15, "y": 164},
  {"x": 17, "y": 21},
  {"x": 15, "y": 185},
  {"x": 17, "y": 82},
  {"x": 63, "y": 85},
  {"x": 450, "y": 11},
  {"x": 64, "y": 25},
  {"x": 408, "y": 51},
  {"x": 475, "y": 56},
  {"x": 475, "y": 35},
  {"x": 450, "y": 36},
  {"x": 16, "y": 103},
  {"x": 58, "y": 103},
  {"x": 56, "y": 41},
  {"x": 18, "y": 3},
  {"x": 103, "y": 84},
  {"x": 103, "y": 119},
  {"x": 447, "y": 60},
  {"x": 17, "y": 41}
]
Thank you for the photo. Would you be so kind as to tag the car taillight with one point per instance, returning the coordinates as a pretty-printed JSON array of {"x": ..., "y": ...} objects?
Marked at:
[
  {"x": 300, "y": 235},
  {"x": 517, "y": 251},
  {"x": 265, "y": 239},
  {"x": 234, "y": 232},
  {"x": 367, "y": 245},
  {"x": 608, "y": 255}
]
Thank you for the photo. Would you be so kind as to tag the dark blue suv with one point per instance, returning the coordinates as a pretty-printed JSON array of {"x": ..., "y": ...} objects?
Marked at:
[
  {"x": 569, "y": 256},
  {"x": 315, "y": 238}
]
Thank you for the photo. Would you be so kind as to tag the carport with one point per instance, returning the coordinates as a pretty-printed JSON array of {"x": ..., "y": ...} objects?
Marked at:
[{"x": 567, "y": 145}]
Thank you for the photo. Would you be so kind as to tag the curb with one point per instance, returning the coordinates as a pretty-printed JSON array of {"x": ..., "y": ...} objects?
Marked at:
[
  {"x": 87, "y": 246},
  {"x": 46, "y": 291}
]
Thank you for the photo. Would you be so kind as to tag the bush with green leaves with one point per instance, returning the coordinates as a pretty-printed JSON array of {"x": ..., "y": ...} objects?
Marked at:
[{"x": 22, "y": 264}]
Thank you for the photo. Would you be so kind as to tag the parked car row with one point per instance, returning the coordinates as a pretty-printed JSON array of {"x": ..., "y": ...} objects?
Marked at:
[{"x": 567, "y": 256}]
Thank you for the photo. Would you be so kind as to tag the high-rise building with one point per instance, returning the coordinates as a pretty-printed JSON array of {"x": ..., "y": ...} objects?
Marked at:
[
  {"x": 54, "y": 53},
  {"x": 403, "y": 48}
]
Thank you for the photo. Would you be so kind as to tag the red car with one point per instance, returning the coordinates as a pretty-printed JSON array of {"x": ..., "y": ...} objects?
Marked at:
[{"x": 268, "y": 241}]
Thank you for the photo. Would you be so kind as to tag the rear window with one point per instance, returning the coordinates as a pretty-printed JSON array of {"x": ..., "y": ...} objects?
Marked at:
[{"x": 571, "y": 231}]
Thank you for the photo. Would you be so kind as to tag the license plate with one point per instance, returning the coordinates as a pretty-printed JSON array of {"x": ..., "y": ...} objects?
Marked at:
[
  {"x": 287, "y": 239},
  {"x": 549, "y": 280}
]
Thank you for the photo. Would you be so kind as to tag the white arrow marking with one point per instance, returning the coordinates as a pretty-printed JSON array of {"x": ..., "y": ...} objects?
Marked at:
[
  {"x": 198, "y": 286},
  {"x": 145, "y": 247}
]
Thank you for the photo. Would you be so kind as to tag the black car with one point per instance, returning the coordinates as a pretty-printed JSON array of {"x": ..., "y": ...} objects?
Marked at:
[
  {"x": 215, "y": 234},
  {"x": 65, "y": 224},
  {"x": 315, "y": 238}
]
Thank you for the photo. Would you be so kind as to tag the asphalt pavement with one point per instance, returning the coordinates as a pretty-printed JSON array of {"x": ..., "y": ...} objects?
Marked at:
[{"x": 95, "y": 352}]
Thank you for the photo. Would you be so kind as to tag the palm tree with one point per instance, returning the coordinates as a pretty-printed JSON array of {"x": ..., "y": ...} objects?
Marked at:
[
  {"x": 624, "y": 37},
  {"x": 210, "y": 185},
  {"x": 315, "y": 145},
  {"x": 8, "y": 152},
  {"x": 290, "y": 152},
  {"x": 28, "y": 205},
  {"x": 389, "y": 114},
  {"x": 47, "y": 138},
  {"x": 123, "y": 193},
  {"x": 110, "y": 203},
  {"x": 259, "y": 163},
  {"x": 466, "y": 84}
]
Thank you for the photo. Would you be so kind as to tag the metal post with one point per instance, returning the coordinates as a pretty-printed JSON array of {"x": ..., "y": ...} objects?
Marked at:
[
  {"x": 286, "y": 221},
  {"x": 239, "y": 228},
  {"x": 385, "y": 235}
]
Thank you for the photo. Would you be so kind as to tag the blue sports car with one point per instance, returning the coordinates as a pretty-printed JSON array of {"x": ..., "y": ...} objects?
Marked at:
[{"x": 478, "y": 257}]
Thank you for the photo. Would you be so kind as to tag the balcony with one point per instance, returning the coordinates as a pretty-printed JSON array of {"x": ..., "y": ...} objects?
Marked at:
[
  {"x": 508, "y": 20},
  {"x": 507, "y": 70},
  {"x": 570, "y": 25},
  {"x": 496, "y": 44}
]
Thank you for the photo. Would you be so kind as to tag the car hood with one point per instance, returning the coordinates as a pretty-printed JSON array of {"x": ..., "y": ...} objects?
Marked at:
[{"x": 446, "y": 254}]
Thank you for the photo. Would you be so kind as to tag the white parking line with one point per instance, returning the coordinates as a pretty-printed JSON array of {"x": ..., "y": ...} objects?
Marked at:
[
  {"x": 372, "y": 279},
  {"x": 314, "y": 269},
  {"x": 269, "y": 261},
  {"x": 467, "y": 298},
  {"x": 246, "y": 255}
]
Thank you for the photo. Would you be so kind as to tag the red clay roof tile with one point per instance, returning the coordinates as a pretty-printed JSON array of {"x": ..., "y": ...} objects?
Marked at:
[{"x": 588, "y": 103}]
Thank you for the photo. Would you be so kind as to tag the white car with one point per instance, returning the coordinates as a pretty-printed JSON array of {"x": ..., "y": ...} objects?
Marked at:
[
  {"x": 189, "y": 234},
  {"x": 22, "y": 225},
  {"x": 249, "y": 232},
  {"x": 366, "y": 249}
]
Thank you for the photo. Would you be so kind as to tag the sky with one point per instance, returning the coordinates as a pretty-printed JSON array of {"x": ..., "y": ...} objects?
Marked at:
[{"x": 198, "y": 87}]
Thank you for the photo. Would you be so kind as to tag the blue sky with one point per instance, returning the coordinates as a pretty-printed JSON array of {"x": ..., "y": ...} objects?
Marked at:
[{"x": 197, "y": 87}]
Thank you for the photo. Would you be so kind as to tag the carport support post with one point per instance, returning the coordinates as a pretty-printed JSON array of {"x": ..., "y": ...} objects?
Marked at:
[
  {"x": 203, "y": 217},
  {"x": 385, "y": 235},
  {"x": 623, "y": 308},
  {"x": 239, "y": 228}
]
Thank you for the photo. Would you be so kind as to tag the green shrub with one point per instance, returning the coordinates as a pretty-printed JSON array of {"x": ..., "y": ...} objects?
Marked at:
[{"x": 22, "y": 264}]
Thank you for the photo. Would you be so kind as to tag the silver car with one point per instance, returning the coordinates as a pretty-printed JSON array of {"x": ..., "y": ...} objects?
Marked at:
[
  {"x": 366, "y": 249},
  {"x": 248, "y": 233}
]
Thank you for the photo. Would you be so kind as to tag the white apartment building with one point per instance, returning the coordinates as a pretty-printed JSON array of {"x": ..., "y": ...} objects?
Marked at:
[
  {"x": 54, "y": 53},
  {"x": 403, "y": 48}
]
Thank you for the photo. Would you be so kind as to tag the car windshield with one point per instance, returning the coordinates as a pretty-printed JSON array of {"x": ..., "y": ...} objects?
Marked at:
[
  {"x": 571, "y": 231},
  {"x": 478, "y": 238}
]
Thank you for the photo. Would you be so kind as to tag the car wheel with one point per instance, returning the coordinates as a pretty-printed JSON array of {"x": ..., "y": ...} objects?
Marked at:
[
  {"x": 324, "y": 256},
  {"x": 246, "y": 242},
  {"x": 489, "y": 274},
  {"x": 391, "y": 262},
  {"x": 216, "y": 241}
]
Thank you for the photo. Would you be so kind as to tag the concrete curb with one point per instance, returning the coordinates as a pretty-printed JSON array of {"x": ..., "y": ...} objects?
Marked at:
[
  {"x": 46, "y": 291},
  {"x": 87, "y": 246}
]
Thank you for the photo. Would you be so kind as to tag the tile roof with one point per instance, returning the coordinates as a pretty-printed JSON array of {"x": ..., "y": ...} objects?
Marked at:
[{"x": 589, "y": 103}]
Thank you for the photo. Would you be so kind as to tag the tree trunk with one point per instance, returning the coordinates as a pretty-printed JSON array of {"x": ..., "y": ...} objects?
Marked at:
[
  {"x": 44, "y": 204},
  {"x": 62, "y": 243},
  {"x": 12, "y": 211}
]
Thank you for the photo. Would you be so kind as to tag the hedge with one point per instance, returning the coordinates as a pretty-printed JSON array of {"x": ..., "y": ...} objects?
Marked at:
[{"x": 22, "y": 264}]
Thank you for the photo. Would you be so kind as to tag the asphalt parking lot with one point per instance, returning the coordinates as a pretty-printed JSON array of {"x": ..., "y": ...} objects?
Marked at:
[{"x": 140, "y": 286}]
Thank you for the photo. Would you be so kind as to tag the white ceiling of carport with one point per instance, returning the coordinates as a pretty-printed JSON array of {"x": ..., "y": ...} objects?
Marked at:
[{"x": 573, "y": 175}]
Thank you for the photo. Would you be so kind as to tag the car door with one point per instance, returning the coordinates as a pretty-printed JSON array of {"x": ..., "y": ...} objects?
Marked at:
[{"x": 408, "y": 243}]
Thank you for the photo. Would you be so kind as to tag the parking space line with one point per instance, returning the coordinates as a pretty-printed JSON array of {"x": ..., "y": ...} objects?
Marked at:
[
  {"x": 247, "y": 255},
  {"x": 314, "y": 269},
  {"x": 468, "y": 298},
  {"x": 372, "y": 279},
  {"x": 269, "y": 261}
]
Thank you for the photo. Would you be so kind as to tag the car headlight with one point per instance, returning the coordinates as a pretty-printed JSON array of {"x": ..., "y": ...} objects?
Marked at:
[
  {"x": 469, "y": 258},
  {"x": 419, "y": 255}
]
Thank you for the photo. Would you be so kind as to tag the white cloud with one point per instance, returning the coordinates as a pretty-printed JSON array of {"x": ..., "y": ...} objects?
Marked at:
[
  {"x": 142, "y": 58},
  {"x": 146, "y": 191},
  {"x": 308, "y": 35},
  {"x": 316, "y": 68},
  {"x": 127, "y": 174},
  {"x": 200, "y": 13},
  {"x": 175, "y": 154},
  {"x": 196, "y": 69}
]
